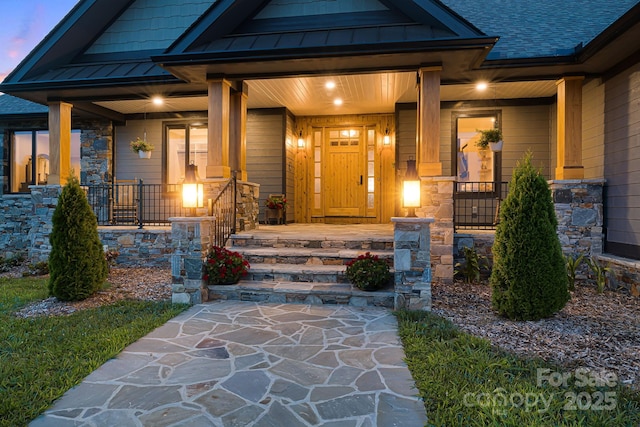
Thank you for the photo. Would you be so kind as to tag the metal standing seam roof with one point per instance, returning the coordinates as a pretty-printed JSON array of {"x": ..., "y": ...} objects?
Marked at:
[{"x": 540, "y": 28}]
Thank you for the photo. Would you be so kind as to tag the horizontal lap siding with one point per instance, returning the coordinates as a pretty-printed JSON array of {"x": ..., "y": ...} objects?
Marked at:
[
  {"x": 622, "y": 157},
  {"x": 265, "y": 156},
  {"x": 128, "y": 165},
  {"x": 524, "y": 128}
]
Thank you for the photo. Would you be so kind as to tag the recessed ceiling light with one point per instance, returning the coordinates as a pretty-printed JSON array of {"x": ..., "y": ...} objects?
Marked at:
[
  {"x": 337, "y": 101},
  {"x": 330, "y": 84},
  {"x": 157, "y": 100},
  {"x": 482, "y": 86}
]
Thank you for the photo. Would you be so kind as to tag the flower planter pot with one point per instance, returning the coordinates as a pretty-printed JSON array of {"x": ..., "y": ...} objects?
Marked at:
[
  {"x": 144, "y": 154},
  {"x": 274, "y": 216},
  {"x": 496, "y": 146}
]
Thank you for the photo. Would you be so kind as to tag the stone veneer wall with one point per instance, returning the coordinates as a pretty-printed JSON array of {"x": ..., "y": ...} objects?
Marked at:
[
  {"x": 15, "y": 223},
  {"x": 579, "y": 208},
  {"x": 45, "y": 200},
  {"x": 412, "y": 263},
  {"x": 96, "y": 152},
  {"x": 437, "y": 203}
]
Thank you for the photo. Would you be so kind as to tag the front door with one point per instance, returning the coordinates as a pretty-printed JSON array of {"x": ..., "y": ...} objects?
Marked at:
[{"x": 344, "y": 187}]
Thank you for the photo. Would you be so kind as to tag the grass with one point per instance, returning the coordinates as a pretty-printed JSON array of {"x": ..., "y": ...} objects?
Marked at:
[
  {"x": 464, "y": 381},
  {"x": 41, "y": 358}
]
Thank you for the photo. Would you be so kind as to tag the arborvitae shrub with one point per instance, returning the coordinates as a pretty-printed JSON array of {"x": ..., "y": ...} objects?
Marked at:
[
  {"x": 529, "y": 278},
  {"x": 77, "y": 264}
]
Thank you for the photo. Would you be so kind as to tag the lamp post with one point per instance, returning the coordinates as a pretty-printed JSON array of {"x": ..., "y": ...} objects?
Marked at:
[
  {"x": 192, "y": 189},
  {"x": 411, "y": 189}
]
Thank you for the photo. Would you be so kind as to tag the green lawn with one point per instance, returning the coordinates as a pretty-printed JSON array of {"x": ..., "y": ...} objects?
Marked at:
[
  {"x": 464, "y": 381},
  {"x": 41, "y": 358}
]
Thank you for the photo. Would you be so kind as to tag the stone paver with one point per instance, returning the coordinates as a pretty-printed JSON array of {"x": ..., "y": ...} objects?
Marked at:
[{"x": 233, "y": 363}]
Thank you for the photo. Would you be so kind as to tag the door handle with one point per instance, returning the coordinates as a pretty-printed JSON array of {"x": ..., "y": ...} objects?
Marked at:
[{"x": 360, "y": 179}]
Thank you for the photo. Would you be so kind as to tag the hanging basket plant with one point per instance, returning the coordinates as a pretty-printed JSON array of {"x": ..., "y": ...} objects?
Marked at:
[
  {"x": 491, "y": 138},
  {"x": 142, "y": 147}
]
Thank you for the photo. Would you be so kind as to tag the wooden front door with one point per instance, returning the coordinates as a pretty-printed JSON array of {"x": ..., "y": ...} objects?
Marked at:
[{"x": 344, "y": 187}]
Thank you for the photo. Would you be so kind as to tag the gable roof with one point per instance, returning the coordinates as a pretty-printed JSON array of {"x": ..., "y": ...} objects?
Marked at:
[{"x": 297, "y": 38}]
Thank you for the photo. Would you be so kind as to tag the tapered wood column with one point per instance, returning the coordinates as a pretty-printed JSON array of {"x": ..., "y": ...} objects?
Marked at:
[
  {"x": 59, "y": 142},
  {"x": 569, "y": 165},
  {"x": 428, "y": 148},
  {"x": 238, "y": 132},
  {"x": 218, "y": 129}
]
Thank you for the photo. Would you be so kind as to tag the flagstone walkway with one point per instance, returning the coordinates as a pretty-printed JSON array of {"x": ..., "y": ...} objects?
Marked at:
[{"x": 235, "y": 363}]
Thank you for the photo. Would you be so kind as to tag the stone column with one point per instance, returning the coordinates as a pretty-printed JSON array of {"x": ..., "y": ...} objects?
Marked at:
[
  {"x": 437, "y": 203},
  {"x": 218, "y": 129},
  {"x": 59, "y": 142},
  {"x": 190, "y": 236},
  {"x": 570, "y": 128},
  {"x": 412, "y": 262}
]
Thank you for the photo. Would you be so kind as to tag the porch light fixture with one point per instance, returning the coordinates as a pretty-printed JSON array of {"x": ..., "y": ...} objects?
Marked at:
[
  {"x": 192, "y": 189},
  {"x": 300, "y": 139},
  {"x": 482, "y": 86},
  {"x": 386, "y": 139},
  {"x": 411, "y": 188},
  {"x": 157, "y": 100}
]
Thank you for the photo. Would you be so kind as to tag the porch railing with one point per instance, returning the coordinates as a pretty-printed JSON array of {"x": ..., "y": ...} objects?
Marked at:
[
  {"x": 223, "y": 208},
  {"x": 477, "y": 204},
  {"x": 142, "y": 204},
  {"x": 135, "y": 203}
]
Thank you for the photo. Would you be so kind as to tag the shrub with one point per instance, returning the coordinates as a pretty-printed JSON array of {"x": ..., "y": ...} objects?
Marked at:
[
  {"x": 599, "y": 273},
  {"x": 223, "y": 267},
  {"x": 572, "y": 267},
  {"x": 470, "y": 270},
  {"x": 368, "y": 272},
  {"x": 529, "y": 277},
  {"x": 77, "y": 264}
]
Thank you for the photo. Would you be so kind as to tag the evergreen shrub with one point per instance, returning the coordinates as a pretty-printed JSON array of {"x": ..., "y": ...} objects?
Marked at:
[
  {"x": 77, "y": 264},
  {"x": 529, "y": 278}
]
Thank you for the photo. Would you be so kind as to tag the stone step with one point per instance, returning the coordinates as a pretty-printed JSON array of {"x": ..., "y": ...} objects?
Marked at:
[
  {"x": 320, "y": 242},
  {"x": 297, "y": 273},
  {"x": 315, "y": 293},
  {"x": 306, "y": 256}
]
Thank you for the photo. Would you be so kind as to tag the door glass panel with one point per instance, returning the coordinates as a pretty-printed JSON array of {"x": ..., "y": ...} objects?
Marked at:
[{"x": 474, "y": 165}]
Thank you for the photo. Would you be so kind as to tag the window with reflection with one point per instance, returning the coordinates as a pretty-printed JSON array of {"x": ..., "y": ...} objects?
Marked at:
[{"x": 186, "y": 144}]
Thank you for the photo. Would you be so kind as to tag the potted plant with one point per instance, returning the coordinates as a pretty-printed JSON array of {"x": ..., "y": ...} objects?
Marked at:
[
  {"x": 223, "y": 267},
  {"x": 490, "y": 138},
  {"x": 142, "y": 147},
  {"x": 368, "y": 272},
  {"x": 276, "y": 205}
]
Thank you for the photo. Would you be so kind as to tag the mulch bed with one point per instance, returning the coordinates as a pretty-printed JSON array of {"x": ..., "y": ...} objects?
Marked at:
[{"x": 596, "y": 331}]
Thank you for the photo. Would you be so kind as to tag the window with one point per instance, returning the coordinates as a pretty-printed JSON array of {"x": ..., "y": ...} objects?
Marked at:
[
  {"x": 476, "y": 169},
  {"x": 30, "y": 159},
  {"x": 186, "y": 143}
]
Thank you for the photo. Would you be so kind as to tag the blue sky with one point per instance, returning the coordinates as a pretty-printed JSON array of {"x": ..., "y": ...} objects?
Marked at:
[{"x": 25, "y": 24}]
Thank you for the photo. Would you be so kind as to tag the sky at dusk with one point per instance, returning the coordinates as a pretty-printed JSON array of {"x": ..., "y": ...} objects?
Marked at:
[{"x": 25, "y": 23}]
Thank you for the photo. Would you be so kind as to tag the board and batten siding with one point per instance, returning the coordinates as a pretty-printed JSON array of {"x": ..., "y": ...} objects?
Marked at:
[
  {"x": 524, "y": 128},
  {"x": 622, "y": 161},
  {"x": 265, "y": 152}
]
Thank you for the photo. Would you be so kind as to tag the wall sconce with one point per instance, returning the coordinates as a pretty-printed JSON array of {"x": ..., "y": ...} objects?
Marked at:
[
  {"x": 192, "y": 189},
  {"x": 411, "y": 188},
  {"x": 386, "y": 139},
  {"x": 300, "y": 139}
]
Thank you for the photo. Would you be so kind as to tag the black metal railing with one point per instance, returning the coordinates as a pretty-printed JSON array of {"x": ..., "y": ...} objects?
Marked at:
[
  {"x": 223, "y": 208},
  {"x": 135, "y": 203},
  {"x": 477, "y": 204}
]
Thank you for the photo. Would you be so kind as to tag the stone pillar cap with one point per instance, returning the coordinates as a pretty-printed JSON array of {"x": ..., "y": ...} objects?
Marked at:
[{"x": 413, "y": 219}]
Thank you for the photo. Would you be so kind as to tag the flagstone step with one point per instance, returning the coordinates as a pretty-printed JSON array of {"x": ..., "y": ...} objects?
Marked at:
[
  {"x": 321, "y": 242},
  {"x": 316, "y": 293},
  {"x": 307, "y": 256},
  {"x": 297, "y": 273}
]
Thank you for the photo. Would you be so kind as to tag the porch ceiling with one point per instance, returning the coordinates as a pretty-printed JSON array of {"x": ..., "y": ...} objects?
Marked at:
[{"x": 361, "y": 94}]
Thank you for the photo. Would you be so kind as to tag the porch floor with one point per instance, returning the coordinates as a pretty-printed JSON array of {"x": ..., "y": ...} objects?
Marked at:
[{"x": 352, "y": 232}]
